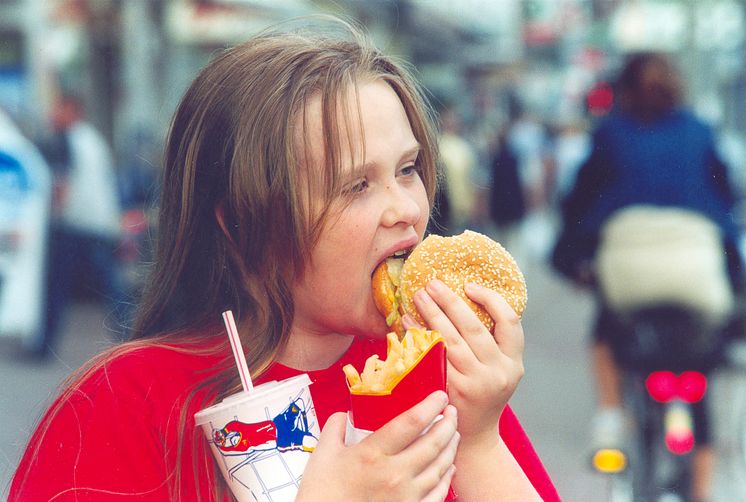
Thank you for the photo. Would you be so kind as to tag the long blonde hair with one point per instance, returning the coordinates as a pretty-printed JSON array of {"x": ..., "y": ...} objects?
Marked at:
[
  {"x": 232, "y": 147},
  {"x": 232, "y": 154}
]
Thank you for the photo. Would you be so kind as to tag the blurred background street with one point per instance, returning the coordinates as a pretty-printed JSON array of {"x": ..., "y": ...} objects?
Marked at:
[{"x": 518, "y": 85}]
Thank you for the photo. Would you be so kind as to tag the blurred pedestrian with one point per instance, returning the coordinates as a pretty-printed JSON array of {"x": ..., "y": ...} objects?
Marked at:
[
  {"x": 87, "y": 219},
  {"x": 459, "y": 162},
  {"x": 650, "y": 151},
  {"x": 571, "y": 145},
  {"x": 507, "y": 201},
  {"x": 528, "y": 140}
]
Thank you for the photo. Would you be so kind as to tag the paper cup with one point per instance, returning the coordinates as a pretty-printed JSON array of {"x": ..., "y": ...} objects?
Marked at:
[{"x": 263, "y": 439}]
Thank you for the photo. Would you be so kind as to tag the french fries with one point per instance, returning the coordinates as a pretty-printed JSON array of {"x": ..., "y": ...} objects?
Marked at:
[{"x": 380, "y": 377}]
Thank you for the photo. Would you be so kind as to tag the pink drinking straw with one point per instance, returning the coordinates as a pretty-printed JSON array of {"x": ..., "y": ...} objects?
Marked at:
[{"x": 243, "y": 368}]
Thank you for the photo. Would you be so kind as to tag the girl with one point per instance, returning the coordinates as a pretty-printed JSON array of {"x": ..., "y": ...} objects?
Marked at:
[{"x": 295, "y": 164}]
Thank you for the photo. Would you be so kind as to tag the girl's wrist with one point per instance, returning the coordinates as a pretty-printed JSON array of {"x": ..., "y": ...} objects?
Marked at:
[{"x": 477, "y": 441}]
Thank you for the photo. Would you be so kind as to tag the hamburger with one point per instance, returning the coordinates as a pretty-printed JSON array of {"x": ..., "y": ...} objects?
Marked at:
[{"x": 455, "y": 260}]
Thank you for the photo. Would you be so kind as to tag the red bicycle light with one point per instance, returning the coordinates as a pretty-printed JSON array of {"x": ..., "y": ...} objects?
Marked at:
[
  {"x": 680, "y": 444},
  {"x": 692, "y": 386},
  {"x": 677, "y": 423},
  {"x": 662, "y": 386}
]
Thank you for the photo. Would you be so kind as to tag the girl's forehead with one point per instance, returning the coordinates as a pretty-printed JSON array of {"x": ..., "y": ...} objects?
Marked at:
[{"x": 340, "y": 130}]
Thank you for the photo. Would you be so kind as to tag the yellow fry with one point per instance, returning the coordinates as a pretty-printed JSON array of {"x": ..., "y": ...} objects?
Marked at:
[
  {"x": 379, "y": 375},
  {"x": 408, "y": 338},
  {"x": 390, "y": 371},
  {"x": 396, "y": 371},
  {"x": 353, "y": 377},
  {"x": 377, "y": 387},
  {"x": 410, "y": 355},
  {"x": 368, "y": 376},
  {"x": 416, "y": 336},
  {"x": 395, "y": 348},
  {"x": 420, "y": 339},
  {"x": 400, "y": 367}
]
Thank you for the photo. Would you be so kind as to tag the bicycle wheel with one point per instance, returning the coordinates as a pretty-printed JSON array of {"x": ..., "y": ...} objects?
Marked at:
[{"x": 656, "y": 470}]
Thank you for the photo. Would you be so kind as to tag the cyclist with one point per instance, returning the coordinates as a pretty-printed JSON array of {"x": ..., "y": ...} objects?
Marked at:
[{"x": 650, "y": 150}]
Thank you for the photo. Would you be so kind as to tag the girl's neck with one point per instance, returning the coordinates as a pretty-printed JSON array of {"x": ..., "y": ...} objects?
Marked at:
[{"x": 311, "y": 351}]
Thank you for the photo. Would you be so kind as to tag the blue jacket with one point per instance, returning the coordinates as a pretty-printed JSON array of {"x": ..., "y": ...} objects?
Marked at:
[{"x": 669, "y": 162}]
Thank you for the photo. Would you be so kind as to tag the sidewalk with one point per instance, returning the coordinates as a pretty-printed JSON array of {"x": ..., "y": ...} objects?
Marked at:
[{"x": 28, "y": 386}]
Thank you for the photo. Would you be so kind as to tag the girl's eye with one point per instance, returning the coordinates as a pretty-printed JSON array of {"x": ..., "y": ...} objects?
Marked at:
[
  {"x": 358, "y": 187},
  {"x": 409, "y": 170}
]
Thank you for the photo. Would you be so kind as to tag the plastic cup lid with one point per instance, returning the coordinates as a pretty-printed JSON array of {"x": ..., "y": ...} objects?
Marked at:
[{"x": 260, "y": 392}]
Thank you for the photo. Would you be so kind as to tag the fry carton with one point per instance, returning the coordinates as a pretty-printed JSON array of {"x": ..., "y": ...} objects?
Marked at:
[{"x": 414, "y": 368}]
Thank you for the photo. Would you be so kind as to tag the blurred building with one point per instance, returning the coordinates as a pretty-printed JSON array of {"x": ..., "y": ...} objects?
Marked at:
[{"x": 132, "y": 59}]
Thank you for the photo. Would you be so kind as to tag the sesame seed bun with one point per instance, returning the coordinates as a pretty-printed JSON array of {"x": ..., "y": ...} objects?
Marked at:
[
  {"x": 456, "y": 260},
  {"x": 468, "y": 257}
]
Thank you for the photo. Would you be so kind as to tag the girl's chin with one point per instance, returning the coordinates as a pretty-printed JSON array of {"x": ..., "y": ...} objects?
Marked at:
[{"x": 376, "y": 331}]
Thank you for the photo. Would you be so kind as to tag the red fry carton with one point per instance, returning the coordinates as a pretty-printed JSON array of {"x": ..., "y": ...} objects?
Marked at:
[{"x": 370, "y": 411}]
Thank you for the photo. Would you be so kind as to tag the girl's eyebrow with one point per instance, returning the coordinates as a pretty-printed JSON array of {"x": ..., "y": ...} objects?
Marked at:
[{"x": 359, "y": 169}]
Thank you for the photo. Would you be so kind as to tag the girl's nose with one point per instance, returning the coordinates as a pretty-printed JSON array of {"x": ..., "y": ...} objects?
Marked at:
[{"x": 401, "y": 207}]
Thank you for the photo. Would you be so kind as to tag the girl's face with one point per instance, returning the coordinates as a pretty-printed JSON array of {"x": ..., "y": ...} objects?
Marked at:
[{"x": 383, "y": 209}]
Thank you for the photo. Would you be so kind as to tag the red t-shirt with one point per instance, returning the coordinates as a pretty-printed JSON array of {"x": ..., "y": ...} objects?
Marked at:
[{"x": 117, "y": 435}]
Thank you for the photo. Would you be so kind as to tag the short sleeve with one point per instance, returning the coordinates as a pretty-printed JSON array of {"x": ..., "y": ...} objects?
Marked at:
[{"x": 94, "y": 445}]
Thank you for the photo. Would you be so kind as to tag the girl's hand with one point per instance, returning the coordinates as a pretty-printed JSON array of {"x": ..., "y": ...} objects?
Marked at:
[
  {"x": 482, "y": 374},
  {"x": 397, "y": 462}
]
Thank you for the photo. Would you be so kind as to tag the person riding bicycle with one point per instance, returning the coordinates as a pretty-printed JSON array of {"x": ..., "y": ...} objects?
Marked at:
[{"x": 650, "y": 150}]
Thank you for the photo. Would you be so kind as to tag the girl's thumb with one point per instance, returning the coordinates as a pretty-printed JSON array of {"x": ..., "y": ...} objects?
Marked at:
[{"x": 334, "y": 429}]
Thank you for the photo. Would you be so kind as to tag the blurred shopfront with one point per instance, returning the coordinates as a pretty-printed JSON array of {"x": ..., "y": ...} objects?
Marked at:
[{"x": 131, "y": 59}]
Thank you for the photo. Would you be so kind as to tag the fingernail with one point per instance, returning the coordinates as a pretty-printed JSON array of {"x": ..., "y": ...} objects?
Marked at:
[
  {"x": 451, "y": 471},
  {"x": 422, "y": 296},
  {"x": 408, "y": 321},
  {"x": 471, "y": 287},
  {"x": 435, "y": 286}
]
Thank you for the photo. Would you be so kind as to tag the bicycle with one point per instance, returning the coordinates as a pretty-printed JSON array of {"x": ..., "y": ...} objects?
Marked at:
[{"x": 666, "y": 354}]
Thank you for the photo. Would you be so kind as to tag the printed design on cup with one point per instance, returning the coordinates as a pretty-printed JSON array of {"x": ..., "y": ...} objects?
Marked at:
[
  {"x": 262, "y": 439},
  {"x": 287, "y": 431}
]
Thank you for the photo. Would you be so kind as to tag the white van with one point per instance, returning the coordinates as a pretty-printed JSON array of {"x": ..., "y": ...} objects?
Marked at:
[{"x": 25, "y": 200}]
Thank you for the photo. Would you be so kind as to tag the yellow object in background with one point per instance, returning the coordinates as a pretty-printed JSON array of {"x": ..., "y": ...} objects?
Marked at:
[{"x": 609, "y": 461}]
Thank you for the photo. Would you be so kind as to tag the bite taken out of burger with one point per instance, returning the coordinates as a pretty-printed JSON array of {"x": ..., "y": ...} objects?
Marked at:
[{"x": 456, "y": 260}]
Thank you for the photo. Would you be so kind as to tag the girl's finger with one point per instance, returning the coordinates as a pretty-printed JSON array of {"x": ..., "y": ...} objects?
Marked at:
[
  {"x": 333, "y": 433},
  {"x": 438, "y": 494},
  {"x": 508, "y": 332},
  {"x": 469, "y": 327},
  {"x": 439, "y": 467},
  {"x": 432, "y": 448},
  {"x": 403, "y": 430},
  {"x": 459, "y": 353}
]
